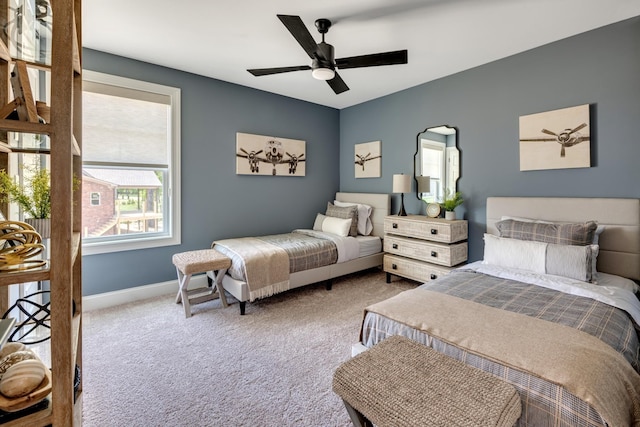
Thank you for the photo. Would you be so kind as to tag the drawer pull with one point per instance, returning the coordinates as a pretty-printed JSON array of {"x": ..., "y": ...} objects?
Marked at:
[
  {"x": 433, "y": 276},
  {"x": 434, "y": 231},
  {"x": 434, "y": 254},
  {"x": 394, "y": 225},
  {"x": 394, "y": 267},
  {"x": 395, "y": 246}
]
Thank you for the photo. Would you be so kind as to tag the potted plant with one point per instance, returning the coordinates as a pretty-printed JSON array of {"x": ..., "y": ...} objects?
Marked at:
[
  {"x": 34, "y": 198},
  {"x": 450, "y": 203}
]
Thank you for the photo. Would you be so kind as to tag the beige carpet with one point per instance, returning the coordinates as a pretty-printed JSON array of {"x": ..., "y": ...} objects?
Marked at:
[{"x": 145, "y": 364}]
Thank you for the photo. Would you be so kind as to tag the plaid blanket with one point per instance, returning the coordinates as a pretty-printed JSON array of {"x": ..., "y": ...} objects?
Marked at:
[
  {"x": 545, "y": 403},
  {"x": 298, "y": 251}
]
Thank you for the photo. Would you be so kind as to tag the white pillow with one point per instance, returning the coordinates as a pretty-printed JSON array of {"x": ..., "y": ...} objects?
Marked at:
[
  {"x": 525, "y": 255},
  {"x": 332, "y": 225},
  {"x": 365, "y": 226},
  {"x": 576, "y": 262}
]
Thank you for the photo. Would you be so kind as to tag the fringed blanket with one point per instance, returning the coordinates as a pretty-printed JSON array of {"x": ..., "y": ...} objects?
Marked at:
[
  {"x": 266, "y": 266},
  {"x": 581, "y": 363}
]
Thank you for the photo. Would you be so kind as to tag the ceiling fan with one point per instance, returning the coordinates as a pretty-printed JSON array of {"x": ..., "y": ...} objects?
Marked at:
[{"x": 323, "y": 64}]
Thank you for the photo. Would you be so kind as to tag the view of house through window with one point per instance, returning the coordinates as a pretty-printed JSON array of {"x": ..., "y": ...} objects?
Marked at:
[{"x": 130, "y": 150}]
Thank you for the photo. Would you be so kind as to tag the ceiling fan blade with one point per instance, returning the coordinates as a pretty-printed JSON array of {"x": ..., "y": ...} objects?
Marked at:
[
  {"x": 337, "y": 84},
  {"x": 299, "y": 32},
  {"x": 373, "y": 60},
  {"x": 266, "y": 71}
]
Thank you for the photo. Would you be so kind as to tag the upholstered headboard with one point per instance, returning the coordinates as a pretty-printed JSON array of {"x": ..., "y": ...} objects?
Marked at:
[
  {"x": 381, "y": 204},
  {"x": 619, "y": 242}
]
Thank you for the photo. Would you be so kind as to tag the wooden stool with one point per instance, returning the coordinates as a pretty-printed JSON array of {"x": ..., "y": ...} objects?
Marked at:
[
  {"x": 200, "y": 261},
  {"x": 400, "y": 383}
]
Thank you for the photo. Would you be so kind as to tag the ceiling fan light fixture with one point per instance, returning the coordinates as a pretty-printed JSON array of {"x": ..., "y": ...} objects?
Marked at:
[{"x": 323, "y": 73}]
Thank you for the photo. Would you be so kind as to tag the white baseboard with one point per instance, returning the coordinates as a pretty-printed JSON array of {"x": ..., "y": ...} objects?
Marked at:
[{"x": 110, "y": 299}]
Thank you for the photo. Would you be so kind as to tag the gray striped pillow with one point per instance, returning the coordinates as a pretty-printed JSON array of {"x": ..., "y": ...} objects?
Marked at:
[
  {"x": 347, "y": 212},
  {"x": 577, "y": 234}
]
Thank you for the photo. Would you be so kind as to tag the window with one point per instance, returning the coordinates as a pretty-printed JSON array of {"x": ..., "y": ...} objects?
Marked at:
[
  {"x": 131, "y": 159},
  {"x": 95, "y": 199},
  {"x": 433, "y": 165}
]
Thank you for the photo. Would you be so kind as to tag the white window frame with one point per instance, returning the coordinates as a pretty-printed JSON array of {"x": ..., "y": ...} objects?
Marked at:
[
  {"x": 173, "y": 236},
  {"x": 99, "y": 198}
]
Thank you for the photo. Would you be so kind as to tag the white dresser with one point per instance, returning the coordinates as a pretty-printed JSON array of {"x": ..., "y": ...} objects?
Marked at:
[{"x": 422, "y": 248}]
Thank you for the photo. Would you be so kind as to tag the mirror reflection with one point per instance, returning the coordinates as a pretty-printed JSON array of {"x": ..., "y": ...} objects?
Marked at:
[{"x": 437, "y": 157}]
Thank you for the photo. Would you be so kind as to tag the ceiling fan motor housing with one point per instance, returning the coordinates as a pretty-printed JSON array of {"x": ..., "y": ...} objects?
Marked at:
[{"x": 324, "y": 58}]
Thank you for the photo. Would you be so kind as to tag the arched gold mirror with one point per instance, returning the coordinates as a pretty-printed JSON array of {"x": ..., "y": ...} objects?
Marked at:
[{"x": 438, "y": 158}]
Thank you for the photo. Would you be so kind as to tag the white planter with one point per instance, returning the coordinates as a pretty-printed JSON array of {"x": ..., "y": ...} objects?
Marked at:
[
  {"x": 42, "y": 226},
  {"x": 450, "y": 215}
]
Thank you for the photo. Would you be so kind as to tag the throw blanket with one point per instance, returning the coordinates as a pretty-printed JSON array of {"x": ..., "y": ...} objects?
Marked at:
[
  {"x": 266, "y": 266},
  {"x": 581, "y": 363}
]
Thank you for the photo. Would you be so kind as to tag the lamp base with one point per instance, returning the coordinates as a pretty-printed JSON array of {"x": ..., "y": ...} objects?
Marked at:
[{"x": 402, "y": 211}]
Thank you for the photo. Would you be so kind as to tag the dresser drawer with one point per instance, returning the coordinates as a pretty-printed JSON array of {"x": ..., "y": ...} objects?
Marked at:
[
  {"x": 437, "y": 253},
  {"x": 413, "y": 269},
  {"x": 421, "y": 227}
]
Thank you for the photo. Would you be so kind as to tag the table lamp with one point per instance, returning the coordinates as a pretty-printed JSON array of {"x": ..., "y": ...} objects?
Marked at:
[
  {"x": 401, "y": 184},
  {"x": 424, "y": 184}
]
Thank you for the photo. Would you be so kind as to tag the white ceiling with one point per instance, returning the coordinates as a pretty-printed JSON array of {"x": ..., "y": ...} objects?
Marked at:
[{"x": 223, "y": 38}]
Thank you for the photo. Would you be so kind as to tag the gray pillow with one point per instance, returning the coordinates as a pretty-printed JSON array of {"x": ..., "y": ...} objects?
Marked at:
[
  {"x": 347, "y": 212},
  {"x": 578, "y": 234}
]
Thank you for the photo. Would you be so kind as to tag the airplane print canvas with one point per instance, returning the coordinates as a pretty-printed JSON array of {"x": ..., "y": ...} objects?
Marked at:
[
  {"x": 269, "y": 155},
  {"x": 368, "y": 160},
  {"x": 556, "y": 139}
]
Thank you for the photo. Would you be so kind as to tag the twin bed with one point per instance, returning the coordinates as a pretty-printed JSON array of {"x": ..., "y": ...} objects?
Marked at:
[
  {"x": 566, "y": 341},
  {"x": 306, "y": 256}
]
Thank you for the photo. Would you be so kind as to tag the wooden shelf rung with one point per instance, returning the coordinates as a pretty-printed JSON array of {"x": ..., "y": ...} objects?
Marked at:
[
  {"x": 35, "y": 275},
  {"x": 25, "y": 127}
]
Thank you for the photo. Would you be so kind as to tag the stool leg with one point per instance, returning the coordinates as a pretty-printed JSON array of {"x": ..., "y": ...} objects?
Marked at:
[
  {"x": 357, "y": 418},
  {"x": 183, "y": 281},
  {"x": 218, "y": 276},
  {"x": 179, "y": 296}
]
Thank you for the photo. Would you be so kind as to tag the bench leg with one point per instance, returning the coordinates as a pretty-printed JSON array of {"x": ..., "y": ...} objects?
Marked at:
[
  {"x": 183, "y": 283},
  {"x": 357, "y": 418},
  {"x": 218, "y": 276}
]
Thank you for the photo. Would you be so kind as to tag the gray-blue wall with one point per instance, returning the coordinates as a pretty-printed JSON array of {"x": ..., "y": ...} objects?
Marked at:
[
  {"x": 217, "y": 203},
  {"x": 600, "y": 68}
]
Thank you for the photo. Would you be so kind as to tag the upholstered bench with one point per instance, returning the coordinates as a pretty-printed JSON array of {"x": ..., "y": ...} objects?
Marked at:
[
  {"x": 400, "y": 383},
  {"x": 200, "y": 261}
]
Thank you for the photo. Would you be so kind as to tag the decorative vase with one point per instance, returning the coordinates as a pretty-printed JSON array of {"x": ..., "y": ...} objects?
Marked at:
[
  {"x": 42, "y": 226},
  {"x": 450, "y": 215}
]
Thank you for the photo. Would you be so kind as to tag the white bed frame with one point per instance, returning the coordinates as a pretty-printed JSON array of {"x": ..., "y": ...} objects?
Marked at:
[
  {"x": 619, "y": 242},
  {"x": 381, "y": 204}
]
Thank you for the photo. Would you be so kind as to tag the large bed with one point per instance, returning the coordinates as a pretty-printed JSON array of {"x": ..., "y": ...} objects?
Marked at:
[
  {"x": 256, "y": 260},
  {"x": 566, "y": 341}
]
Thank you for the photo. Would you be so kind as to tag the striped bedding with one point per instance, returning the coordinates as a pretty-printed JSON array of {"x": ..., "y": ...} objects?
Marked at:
[
  {"x": 305, "y": 251},
  {"x": 544, "y": 403}
]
